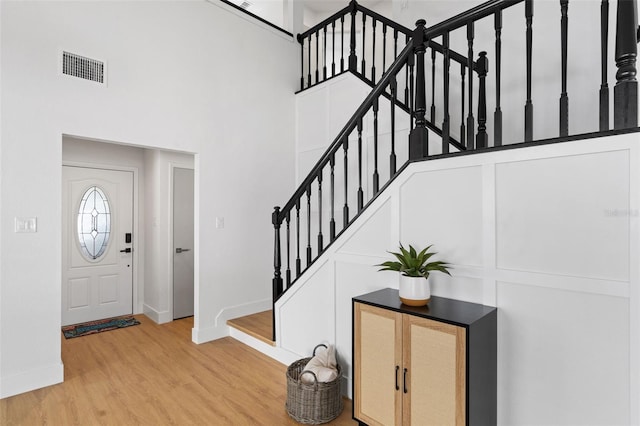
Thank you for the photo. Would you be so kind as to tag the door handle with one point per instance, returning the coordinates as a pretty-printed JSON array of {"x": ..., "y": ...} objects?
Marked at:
[
  {"x": 127, "y": 250},
  {"x": 180, "y": 250},
  {"x": 404, "y": 381}
]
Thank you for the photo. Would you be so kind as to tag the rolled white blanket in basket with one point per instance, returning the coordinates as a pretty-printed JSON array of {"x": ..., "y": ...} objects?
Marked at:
[{"x": 323, "y": 365}]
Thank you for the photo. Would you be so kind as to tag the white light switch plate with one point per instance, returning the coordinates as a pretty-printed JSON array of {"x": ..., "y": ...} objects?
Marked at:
[
  {"x": 26, "y": 224},
  {"x": 219, "y": 222}
]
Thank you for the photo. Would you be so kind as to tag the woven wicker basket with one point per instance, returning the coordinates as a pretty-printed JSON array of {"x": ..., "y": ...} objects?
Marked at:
[{"x": 314, "y": 403}]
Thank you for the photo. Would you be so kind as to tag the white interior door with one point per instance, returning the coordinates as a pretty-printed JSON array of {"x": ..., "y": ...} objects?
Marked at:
[
  {"x": 182, "y": 243},
  {"x": 97, "y": 268}
]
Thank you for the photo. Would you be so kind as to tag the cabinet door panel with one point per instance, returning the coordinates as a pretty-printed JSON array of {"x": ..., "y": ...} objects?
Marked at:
[
  {"x": 378, "y": 351},
  {"x": 435, "y": 359}
]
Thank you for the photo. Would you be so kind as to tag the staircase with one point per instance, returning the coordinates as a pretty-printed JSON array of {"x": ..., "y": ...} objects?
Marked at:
[
  {"x": 402, "y": 66},
  {"x": 360, "y": 198}
]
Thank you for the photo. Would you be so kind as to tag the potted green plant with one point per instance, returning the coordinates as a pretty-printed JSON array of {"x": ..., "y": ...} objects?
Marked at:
[{"x": 414, "y": 268}]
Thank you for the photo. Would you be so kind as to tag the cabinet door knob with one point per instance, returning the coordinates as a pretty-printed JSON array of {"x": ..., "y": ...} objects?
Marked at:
[
  {"x": 404, "y": 381},
  {"x": 397, "y": 368}
]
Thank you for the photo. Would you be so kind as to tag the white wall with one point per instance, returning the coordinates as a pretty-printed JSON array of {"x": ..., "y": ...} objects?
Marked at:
[
  {"x": 549, "y": 234},
  {"x": 158, "y": 290},
  {"x": 185, "y": 76}
]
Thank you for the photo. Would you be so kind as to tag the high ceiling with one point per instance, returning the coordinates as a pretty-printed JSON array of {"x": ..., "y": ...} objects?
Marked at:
[
  {"x": 272, "y": 10},
  {"x": 331, "y": 6}
]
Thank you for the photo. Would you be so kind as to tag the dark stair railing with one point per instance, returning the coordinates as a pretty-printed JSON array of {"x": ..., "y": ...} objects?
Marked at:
[
  {"x": 359, "y": 178},
  {"x": 346, "y": 149},
  {"x": 330, "y": 48}
]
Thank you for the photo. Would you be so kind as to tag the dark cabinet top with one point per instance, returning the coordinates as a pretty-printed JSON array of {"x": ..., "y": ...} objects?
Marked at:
[{"x": 450, "y": 311}]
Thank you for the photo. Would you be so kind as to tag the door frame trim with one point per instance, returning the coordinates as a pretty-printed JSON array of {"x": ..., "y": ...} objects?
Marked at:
[
  {"x": 172, "y": 166},
  {"x": 136, "y": 301}
]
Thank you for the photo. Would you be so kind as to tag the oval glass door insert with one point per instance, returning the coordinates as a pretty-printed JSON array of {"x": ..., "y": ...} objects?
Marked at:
[{"x": 94, "y": 223}]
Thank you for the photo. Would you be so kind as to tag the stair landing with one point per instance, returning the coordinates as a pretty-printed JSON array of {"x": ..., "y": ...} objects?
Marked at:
[{"x": 259, "y": 326}]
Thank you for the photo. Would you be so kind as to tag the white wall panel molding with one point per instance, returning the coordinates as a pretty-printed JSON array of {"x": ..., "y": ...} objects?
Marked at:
[
  {"x": 565, "y": 334},
  {"x": 563, "y": 215},
  {"x": 566, "y": 282},
  {"x": 634, "y": 279}
]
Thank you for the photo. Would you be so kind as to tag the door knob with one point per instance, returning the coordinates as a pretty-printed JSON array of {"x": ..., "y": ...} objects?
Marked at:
[
  {"x": 127, "y": 250},
  {"x": 180, "y": 250}
]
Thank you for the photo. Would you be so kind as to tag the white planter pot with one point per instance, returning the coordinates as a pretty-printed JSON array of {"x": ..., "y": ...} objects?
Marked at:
[{"x": 414, "y": 291}]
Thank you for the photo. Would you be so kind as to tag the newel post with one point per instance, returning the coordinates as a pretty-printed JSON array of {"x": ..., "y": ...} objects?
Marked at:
[
  {"x": 277, "y": 260},
  {"x": 625, "y": 92},
  {"x": 483, "y": 68},
  {"x": 353, "y": 59},
  {"x": 419, "y": 137}
]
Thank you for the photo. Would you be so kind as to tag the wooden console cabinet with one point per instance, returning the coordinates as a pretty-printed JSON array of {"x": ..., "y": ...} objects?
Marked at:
[{"x": 432, "y": 365}]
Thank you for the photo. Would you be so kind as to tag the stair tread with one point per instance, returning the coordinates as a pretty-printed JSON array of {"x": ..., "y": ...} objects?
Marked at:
[{"x": 259, "y": 325}]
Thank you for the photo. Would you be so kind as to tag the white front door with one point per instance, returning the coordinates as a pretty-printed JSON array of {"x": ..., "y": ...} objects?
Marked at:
[
  {"x": 97, "y": 225},
  {"x": 182, "y": 243}
]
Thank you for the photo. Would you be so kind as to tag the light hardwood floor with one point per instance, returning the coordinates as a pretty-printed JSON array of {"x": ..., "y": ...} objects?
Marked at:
[{"x": 154, "y": 375}]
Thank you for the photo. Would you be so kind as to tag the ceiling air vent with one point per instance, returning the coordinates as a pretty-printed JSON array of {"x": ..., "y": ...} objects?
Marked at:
[
  {"x": 245, "y": 5},
  {"x": 83, "y": 67}
]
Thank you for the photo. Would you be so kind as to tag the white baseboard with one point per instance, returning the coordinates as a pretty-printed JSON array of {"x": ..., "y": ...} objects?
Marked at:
[
  {"x": 155, "y": 316},
  {"x": 220, "y": 328},
  {"x": 203, "y": 335},
  {"x": 30, "y": 380},
  {"x": 279, "y": 354}
]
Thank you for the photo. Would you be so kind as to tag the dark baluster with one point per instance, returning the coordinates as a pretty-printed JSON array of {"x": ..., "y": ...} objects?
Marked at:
[
  {"x": 298, "y": 261},
  {"x": 497, "y": 115},
  {"x": 373, "y": 59},
  {"x": 317, "y": 56},
  {"x": 393, "y": 86},
  {"x": 277, "y": 261},
  {"x": 301, "y": 41},
  {"x": 360, "y": 193},
  {"x": 604, "y": 59},
  {"x": 625, "y": 92},
  {"x": 528, "y": 108},
  {"x": 333, "y": 48},
  {"x": 288, "y": 271},
  {"x": 332, "y": 222},
  {"x": 483, "y": 68},
  {"x": 463, "y": 133},
  {"x": 433, "y": 85},
  {"x": 324, "y": 57},
  {"x": 345, "y": 210},
  {"x": 395, "y": 43},
  {"x": 470, "y": 119},
  {"x": 309, "y": 68},
  {"x": 308, "y": 225},
  {"x": 376, "y": 177},
  {"x": 564, "y": 98},
  {"x": 406, "y": 79},
  {"x": 384, "y": 47},
  {"x": 353, "y": 59},
  {"x": 342, "y": 44},
  {"x": 446, "y": 65},
  {"x": 410, "y": 65},
  {"x": 419, "y": 136},
  {"x": 364, "y": 25},
  {"x": 320, "y": 239}
]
